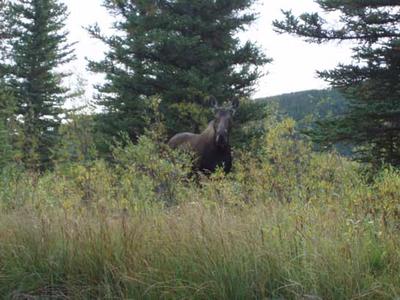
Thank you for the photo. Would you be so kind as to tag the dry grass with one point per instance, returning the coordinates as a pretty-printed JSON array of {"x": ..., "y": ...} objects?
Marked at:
[
  {"x": 196, "y": 252},
  {"x": 287, "y": 224}
]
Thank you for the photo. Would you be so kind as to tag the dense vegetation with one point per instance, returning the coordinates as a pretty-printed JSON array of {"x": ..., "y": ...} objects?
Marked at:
[
  {"x": 308, "y": 106},
  {"x": 287, "y": 223},
  {"x": 96, "y": 206},
  {"x": 370, "y": 83},
  {"x": 181, "y": 52},
  {"x": 37, "y": 47}
]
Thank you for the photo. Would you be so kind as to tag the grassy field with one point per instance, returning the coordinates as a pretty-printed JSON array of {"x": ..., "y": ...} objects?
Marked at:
[{"x": 286, "y": 224}]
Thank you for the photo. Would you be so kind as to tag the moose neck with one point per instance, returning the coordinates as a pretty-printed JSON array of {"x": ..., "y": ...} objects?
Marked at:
[{"x": 209, "y": 132}]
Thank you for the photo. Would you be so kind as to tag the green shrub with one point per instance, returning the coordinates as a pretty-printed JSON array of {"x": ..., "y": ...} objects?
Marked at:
[{"x": 286, "y": 223}]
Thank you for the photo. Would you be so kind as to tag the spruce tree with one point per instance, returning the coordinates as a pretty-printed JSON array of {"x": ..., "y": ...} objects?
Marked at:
[
  {"x": 7, "y": 149},
  {"x": 39, "y": 47},
  {"x": 3, "y": 27},
  {"x": 371, "y": 83},
  {"x": 182, "y": 51},
  {"x": 4, "y": 36},
  {"x": 6, "y": 100}
]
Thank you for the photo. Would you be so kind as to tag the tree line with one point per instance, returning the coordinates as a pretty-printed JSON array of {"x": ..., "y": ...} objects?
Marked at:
[
  {"x": 371, "y": 84},
  {"x": 167, "y": 58}
]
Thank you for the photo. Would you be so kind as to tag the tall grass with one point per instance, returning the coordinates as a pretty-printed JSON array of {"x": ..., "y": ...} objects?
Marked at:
[{"x": 287, "y": 224}]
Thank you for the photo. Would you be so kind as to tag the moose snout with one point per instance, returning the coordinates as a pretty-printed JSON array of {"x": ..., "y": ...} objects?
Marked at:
[{"x": 221, "y": 140}]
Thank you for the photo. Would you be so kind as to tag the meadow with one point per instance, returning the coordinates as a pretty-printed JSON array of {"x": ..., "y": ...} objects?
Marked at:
[{"x": 287, "y": 223}]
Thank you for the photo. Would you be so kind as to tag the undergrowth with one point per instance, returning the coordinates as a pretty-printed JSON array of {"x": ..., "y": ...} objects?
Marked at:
[{"x": 288, "y": 223}]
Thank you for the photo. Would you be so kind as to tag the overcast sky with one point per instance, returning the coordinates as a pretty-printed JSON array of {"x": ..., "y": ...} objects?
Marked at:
[{"x": 294, "y": 62}]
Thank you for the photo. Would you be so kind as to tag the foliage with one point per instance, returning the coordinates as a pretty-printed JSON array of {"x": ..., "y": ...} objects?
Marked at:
[
  {"x": 287, "y": 223},
  {"x": 181, "y": 51},
  {"x": 4, "y": 34},
  {"x": 8, "y": 127},
  {"x": 162, "y": 169},
  {"x": 77, "y": 139},
  {"x": 371, "y": 84},
  {"x": 6, "y": 98},
  {"x": 38, "y": 48},
  {"x": 308, "y": 106},
  {"x": 249, "y": 121},
  {"x": 308, "y": 109},
  {"x": 140, "y": 229}
]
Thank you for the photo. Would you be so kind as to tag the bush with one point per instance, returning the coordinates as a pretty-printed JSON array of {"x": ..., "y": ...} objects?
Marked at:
[{"x": 286, "y": 223}]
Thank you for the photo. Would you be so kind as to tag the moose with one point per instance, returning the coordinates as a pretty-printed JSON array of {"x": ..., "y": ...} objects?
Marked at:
[{"x": 211, "y": 147}]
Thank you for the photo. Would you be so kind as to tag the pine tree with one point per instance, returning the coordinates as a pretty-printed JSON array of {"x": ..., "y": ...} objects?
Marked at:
[
  {"x": 3, "y": 27},
  {"x": 371, "y": 84},
  {"x": 39, "y": 47},
  {"x": 4, "y": 35},
  {"x": 7, "y": 150},
  {"x": 6, "y": 100},
  {"x": 78, "y": 142},
  {"x": 182, "y": 51}
]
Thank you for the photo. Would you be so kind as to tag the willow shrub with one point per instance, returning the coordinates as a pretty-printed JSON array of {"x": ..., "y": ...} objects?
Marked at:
[
  {"x": 282, "y": 167},
  {"x": 286, "y": 223},
  {"x": 142, "y": 175}
]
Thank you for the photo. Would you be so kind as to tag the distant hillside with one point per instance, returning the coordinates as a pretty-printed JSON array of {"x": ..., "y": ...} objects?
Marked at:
[{"x": 308, "y": 105}]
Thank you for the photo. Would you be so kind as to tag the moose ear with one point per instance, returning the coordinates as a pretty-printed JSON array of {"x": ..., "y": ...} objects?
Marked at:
[
  {"x": 213, "y": 103},
  {"x": 235, "y": 102},
  {"x": 234, "y": 105}
]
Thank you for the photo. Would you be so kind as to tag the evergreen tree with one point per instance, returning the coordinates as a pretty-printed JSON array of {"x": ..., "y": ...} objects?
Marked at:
[
  {"x": 4, "y": 35},
  {"x": 371, "y": 84},
  {"x": 182, "y": 51},
  {"x": 78, "y": 142},
  {"x": 6, "y": 110},
  {"x": 6, "y": 100},
  {"x": 39, "y": 47},
  {"x": 3, "y": 27}
]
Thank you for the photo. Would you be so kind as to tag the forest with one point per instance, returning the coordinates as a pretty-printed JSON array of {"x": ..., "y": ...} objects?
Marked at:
[{"x": 96, "y": 204}]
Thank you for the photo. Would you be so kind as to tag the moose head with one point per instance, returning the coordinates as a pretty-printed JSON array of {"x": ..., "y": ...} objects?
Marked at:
[{"x": 223, "y": 120}]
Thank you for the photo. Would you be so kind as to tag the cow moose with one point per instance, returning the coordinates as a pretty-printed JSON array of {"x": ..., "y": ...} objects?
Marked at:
[{"x": 211, "y": 147}]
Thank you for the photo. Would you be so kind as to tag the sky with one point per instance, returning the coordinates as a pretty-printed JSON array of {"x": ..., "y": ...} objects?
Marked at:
[{"x": 294, "y": 61}]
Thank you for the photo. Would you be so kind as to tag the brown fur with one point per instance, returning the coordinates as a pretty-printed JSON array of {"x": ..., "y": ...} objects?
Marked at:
[{"x": 209, "y": 155}]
